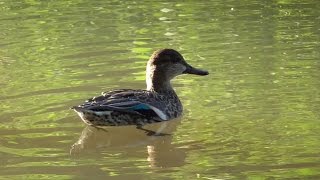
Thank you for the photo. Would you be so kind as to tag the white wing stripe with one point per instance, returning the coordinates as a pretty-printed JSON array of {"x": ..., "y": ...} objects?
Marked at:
[{"x": 160, "y": 113}]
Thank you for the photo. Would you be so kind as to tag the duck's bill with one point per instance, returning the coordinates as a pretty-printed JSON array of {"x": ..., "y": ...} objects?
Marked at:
[{"x": 192, "y": 70}]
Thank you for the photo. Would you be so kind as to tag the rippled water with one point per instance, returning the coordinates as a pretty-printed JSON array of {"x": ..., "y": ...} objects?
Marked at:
[{"x": 255, "y": 116}]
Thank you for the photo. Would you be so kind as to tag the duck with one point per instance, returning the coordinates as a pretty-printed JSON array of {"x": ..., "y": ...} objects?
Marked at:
[{"x": 157, "y": 103}]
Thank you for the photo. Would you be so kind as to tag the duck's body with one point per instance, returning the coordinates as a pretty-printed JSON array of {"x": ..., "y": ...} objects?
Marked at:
[
  {"x": 130, "y": 107},
  {"x": 157, "y": 103}
]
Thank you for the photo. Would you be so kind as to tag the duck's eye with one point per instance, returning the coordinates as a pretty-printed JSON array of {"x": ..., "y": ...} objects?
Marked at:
[{"x": 176, "y": 60}]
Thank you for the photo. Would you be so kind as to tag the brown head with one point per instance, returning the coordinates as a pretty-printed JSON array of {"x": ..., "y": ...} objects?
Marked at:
[{"x": 164, "y": 65}]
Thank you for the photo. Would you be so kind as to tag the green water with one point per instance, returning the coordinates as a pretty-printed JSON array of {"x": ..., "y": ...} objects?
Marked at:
[{"x": 256, "y": 116}]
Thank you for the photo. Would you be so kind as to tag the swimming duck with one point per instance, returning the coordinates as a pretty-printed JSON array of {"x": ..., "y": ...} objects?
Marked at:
[{"x": 157, "y": 103}]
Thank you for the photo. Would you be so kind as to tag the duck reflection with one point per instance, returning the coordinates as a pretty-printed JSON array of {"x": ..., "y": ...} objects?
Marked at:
[{"x": 156, "y": 139}]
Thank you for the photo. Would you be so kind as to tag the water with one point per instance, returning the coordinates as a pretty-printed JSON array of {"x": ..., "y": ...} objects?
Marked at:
[{"x": 256, "y": 116}]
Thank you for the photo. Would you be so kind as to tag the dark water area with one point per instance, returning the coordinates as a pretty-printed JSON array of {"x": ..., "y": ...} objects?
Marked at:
[{"x": 256, "y": 116}]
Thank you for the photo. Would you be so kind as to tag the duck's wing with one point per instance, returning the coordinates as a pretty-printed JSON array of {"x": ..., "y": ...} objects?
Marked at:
[
  {"x": 108, "y": 94},
  {"x": 125, "y": 100}
]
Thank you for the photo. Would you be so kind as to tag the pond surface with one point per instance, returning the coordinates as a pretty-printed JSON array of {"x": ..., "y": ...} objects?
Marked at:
[{"x": 256, "y": 116}]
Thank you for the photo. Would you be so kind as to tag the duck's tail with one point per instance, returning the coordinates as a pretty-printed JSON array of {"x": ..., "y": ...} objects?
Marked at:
[{"x": 79, "y": 109}]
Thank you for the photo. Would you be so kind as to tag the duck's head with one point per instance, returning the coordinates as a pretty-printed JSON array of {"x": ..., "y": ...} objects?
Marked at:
[{"x": 164, "y": 65}]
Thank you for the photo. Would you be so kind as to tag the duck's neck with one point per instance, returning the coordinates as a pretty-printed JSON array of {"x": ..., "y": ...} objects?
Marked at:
[
  {"x": 160, "y": 87},
  {"x": 158, "y": 82}
]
